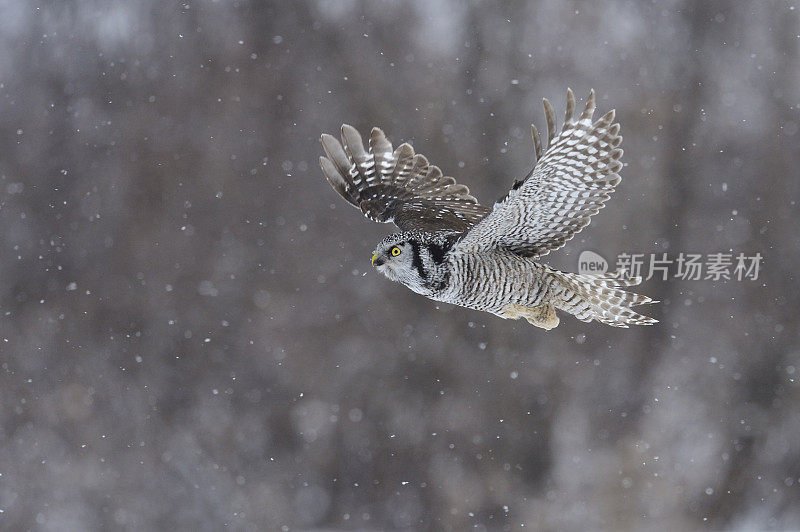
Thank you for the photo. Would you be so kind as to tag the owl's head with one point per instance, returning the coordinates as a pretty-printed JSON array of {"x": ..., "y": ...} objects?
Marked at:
[{"x": 412, "y": 259}]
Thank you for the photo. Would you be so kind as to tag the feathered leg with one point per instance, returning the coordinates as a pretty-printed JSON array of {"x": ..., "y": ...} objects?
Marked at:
[{"x": 543, "y": 315}]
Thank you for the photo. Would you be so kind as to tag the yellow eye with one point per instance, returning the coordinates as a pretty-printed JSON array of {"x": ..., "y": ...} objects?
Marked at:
[{"x": 395, "y": 251}]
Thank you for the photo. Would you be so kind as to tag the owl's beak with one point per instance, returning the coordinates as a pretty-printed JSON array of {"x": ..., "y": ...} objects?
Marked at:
[{"x": 375, "y": 260}]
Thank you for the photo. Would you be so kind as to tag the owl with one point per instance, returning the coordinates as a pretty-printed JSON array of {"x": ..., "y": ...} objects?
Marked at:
[{"x": 454, "y": 250}]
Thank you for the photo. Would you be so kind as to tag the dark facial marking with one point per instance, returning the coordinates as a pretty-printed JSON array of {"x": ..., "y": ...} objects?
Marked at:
[
  {"x": 418, "y": 259},
  {"x": 439, "y": 251}
]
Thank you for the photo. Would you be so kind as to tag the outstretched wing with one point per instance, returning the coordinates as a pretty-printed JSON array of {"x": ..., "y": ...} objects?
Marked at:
[
  {"x": 397, "y": 186},
  {"x": 570, "y": 182}
]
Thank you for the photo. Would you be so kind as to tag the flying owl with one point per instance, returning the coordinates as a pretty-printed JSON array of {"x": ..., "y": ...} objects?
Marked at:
[{"x": 455, "y": 250}]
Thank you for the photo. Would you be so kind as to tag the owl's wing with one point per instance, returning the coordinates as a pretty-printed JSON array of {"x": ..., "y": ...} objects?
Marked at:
[
  {"x": 571, "y": 181},
  {"x": 397, "y": 185}
]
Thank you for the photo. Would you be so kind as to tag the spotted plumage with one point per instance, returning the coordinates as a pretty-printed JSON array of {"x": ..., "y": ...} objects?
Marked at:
[{"x": 455, "y": 250}]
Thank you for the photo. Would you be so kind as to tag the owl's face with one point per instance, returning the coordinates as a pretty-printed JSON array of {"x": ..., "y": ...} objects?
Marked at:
[
  {"x": 395, "y": 260},
  {"x": 414, "y": 259}
]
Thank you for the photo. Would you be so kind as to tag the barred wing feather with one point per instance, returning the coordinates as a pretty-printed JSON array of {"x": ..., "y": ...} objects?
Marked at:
[
  {"x": 570, "y": 182},
  {"x": 397, "y": 185}
]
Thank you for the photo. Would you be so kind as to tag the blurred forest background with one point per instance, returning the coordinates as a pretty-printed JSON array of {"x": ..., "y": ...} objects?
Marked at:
[{"x": 191, "y": 336}]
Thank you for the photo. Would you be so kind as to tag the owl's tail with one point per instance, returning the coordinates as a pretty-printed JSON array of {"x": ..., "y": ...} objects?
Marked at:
[{"x": 600, "y": 297}]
